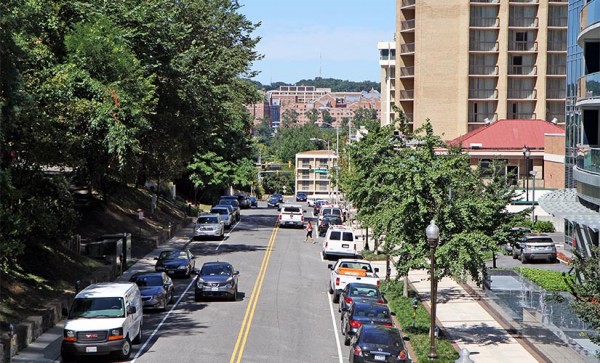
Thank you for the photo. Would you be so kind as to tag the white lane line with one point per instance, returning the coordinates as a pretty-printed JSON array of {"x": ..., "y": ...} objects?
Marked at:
[
  {"x": 226, "y": 237},
  {"x": 335, "y": 329},
  {"x": 139, "y": 352}
]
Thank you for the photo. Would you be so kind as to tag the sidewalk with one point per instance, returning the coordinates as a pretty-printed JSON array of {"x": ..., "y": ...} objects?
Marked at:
[{"x": 46, "y": 348}]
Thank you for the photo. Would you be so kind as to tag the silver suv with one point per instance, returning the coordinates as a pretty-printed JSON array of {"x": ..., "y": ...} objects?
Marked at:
[
  {"x": 535, "y": 247},
  {"x": 209, "y": 225}
]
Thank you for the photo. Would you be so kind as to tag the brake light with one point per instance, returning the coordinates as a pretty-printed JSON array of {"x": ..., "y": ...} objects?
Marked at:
[
  {"x": 280, "y": 217},
  {"x": 387, "y": 324},
  {"x": 355, "y": 324},
  {"x": 358, "y": 351},
  {"x": 402, "y": 355},
  {"x": 378, "y": 281},
  {"x": 302, "y": 218},
  {"x": 337, "y": 281},
  {"x": 380, "y": 301},
  {"x": 348, "y": 300}
]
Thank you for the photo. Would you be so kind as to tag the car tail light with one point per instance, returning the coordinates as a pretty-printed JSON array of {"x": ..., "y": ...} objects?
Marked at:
[
  {"x": 280, "y": 217},
  {"x": 355, "y": 324},
  {"x": 380, "y": 301},
  {"x": 348, "y": 300},
  {"x": 387, "y": 324},
  {"x": 302, "y": 218},
  {"x": 337, "y": 281},
  {"x": 358, "y": 351},
  {"x": 378, "y": 282},
  {"x": 402, "y": 355}
]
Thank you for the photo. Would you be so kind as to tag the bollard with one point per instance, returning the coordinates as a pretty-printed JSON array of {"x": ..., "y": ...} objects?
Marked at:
[
  {"x": 464, "y": 356},
  {"x": 11, "y": 336},
  {"x": 414, "y": 316}
]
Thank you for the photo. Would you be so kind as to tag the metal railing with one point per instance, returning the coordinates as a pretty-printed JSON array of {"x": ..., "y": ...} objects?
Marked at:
[
  {"x": 407, "y": 25},
  {"x": 407, "y": 3},
  {"x": 483, "y": 93},
  {"x": 522, "y": 115},
  {"x": 483, "y": 46},
  {"x": 522, "y": 70},
  {"x": 522, "y": 94},
  {"x": 407, "y": 71},
  {"x": 408, "y": 94},
  {"x": 482, "y": 116},
  {"x": 589, "y": 86},
  {"x": 523, "y": 46},
  {"x": 558, "y": 93},
  {"x": 557, "y": 70},
  {"x": 588, "y": 159},
  {"x": 486, "y": 22},
  {"x": 407, "y": 48},
  {"x": 523, "y": 22},
  {"x": 560, "y": 21},
  {"x": 482, "y": 70},
  {"x": 556, "y": 46},
  {"x": 485, "y": 1}
]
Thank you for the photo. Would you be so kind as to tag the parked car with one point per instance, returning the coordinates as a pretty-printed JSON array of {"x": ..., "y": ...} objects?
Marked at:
[
  {"x": 226, "y": 212},
  {"x": 243, "y": 200},
  {"x": 216, "y": 279},
  {"x": 209, "y": 225},
  {"x": 327, "y": 209},
  {"x": 340, "y": 241},
  {"x": 358, "y": 292},
  {"x": 327, "y": 221},
  {"x": 235, "y": 204},
  {"x": 253, "y": 202},
  {"x": 273, "y": 202},
  {"x": 156, "y": 288},
  {"x": 175, "y": 262},
  {"x": 279, "y": 196},
  {"x": 317, "y": 207},
  {"x": 291, "y": 215},
  {"x": 375, "y": 343},
  {"x": 535, "y": 247},
  {"x": 301, "y": 197},
  {"x": 517, "y": 234},
  {"x": 362, "y": 314}
]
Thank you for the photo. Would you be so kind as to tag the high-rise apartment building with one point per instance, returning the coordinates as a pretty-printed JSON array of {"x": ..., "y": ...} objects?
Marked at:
[{"x": 466, "y": 63}]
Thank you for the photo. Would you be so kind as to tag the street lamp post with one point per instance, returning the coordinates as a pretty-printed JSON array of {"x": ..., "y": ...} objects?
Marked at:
[
  {"x": 533, "y": 173},
  {"x": 433, "y": 234},
  {"x": 526, "y": 154}
]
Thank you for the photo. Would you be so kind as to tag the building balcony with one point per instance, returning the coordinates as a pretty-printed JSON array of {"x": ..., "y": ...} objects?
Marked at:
[
  {"x": 522, "y": 46},
  {"x": 495, "y": 2},
  {"x": 523, "y": 1},
  {"x": 407, "y": 72},
  {"x": 407, "y": 25},
  {"x": 557, "y": 46},
  {"x": 406, "y": 95},
  {"x": 482, "y": 117},
  {"x": 523, "y": 22},
  {"x": 522, "y": 94},
  {"x": 589, "y": 23},
  {"x": 587, "y": 164},
  {"x": 407, "y": 4},
  {"x": 483, "y": 47},
  {"x": 485, "y": 22},
  {"x": 556, "y": 94},
  {"x": 519, "y": 70},
  {"x": 481, "y": 70},
  {"x": 588, "y": 90},
  {"x": 483, "y": 94},
  {"x": 408, "y": 48},
  {"x": 557, "y": 70}
]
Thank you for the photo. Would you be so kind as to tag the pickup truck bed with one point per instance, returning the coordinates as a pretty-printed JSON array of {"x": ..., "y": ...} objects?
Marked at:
[{"x": 346, "y": 271}]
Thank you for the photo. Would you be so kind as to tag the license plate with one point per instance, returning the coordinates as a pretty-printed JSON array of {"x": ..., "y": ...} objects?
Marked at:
[
  {"x": 380, "y": 357},
  {"x": 91, "y": 349},
  {"x": 345, "y": 245},
  {"x": 214, "y": 289}
]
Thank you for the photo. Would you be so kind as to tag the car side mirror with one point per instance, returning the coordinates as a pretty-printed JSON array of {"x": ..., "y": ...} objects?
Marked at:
[
  {"x": 236, "y": 273},
  {"x": 131, "y": 309},
  {"x": 392, "y": 313},
  {"x": 330, "y": 266},
  {"x": 376, "y": 269},
  {"x": 406, "y": 339}
]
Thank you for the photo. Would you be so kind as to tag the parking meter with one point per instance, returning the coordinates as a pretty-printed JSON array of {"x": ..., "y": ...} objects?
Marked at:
[{"x": 415, "y": 305}]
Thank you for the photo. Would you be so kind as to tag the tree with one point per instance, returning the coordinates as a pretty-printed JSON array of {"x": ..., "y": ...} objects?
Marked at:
[
  {"x": 292, "y": 140},
  {"x": 289, "y": 118},
  {"x": 399, "y": 188},
  {"x": 366, "y": 117},
  {"x": 313, "y": 115}
]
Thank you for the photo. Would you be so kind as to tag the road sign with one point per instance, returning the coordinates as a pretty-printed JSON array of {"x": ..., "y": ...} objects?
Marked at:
[{"x": 321, "y": 171}]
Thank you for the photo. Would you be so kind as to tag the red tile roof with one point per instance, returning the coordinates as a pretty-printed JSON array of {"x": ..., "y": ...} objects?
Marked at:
[{"x": 509, "y": 134}]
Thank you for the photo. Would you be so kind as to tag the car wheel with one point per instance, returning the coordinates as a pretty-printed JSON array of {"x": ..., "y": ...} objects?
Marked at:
[
  {"x": 235, "y": 295},
  {"x": 347, "y": 340},
  {"x": 164, "y": 304},
  {"x": 172, "y": 299},
  {"x": 125, "y": 351},
  {"x": 330, "y": 290},
  {"x": 139, "y": 337},
  {"x": 514, "y": 254},
  {"x": 336, "y": 298}
]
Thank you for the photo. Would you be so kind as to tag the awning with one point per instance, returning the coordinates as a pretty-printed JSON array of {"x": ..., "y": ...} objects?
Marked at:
[{"x": 564, "y": 203}]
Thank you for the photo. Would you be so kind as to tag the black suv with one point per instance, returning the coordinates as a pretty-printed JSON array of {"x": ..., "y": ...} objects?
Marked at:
[{"x": 244, "y": 201}]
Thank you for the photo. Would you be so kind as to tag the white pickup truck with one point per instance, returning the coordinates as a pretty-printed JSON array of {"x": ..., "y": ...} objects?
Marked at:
[
  {"x": 346, "y": 271},
  {"x": 291, "y": 215}
]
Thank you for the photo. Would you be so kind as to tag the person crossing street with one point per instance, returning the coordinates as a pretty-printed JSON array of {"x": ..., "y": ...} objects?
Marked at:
[{"x": 309, "y": 231}]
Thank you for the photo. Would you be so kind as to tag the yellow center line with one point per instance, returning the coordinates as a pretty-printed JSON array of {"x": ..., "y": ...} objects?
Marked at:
[{"x": 240, "y": 343}]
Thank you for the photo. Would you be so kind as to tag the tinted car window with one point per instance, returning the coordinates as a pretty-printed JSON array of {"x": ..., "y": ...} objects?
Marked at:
[
  {"x": 149, "y": 281},
  {"x": 335, "y": 235},
  {"x": 206, "y": 220},
  {"x": 215, "y": 270},
  {"x": 380, "y": 312},
  {"x": 348, "y": 236},
  {"x": 292, "y": 209},
  {"x": 376, "y": 337}
]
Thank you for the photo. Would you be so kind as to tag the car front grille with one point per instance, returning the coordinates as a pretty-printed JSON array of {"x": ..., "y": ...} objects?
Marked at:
[
  {"x": 215, "y": 284},
  {"x": 92, "y": 336}
]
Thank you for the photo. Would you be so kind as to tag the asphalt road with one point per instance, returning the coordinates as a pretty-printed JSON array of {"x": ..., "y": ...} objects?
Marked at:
[
  {"x": 506, "y": 261},
  {"x": 283, "y": 313}
]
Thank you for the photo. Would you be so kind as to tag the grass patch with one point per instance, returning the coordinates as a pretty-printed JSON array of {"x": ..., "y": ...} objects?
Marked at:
[
  {"x": 547, "y": 279},
  {"x": 419, "y": 333},
  {"x": 372, "y": 256}
]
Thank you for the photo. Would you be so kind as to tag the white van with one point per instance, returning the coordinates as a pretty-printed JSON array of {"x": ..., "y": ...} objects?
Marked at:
[
  {"x": 104, "y": 318},
  {"x": 340, "y": 241}
]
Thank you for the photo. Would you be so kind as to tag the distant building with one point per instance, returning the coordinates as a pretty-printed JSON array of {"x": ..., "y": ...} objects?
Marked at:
[{"x": 314, "y": 170}]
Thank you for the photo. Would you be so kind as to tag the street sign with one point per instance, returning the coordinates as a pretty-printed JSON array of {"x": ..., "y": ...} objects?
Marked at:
[{"x": 321, "y": 171}]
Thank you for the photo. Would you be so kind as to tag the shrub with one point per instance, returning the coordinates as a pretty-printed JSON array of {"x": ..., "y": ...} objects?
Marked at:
[
  {"x": 544, "y": 227},
  {"x": 546, "y": 279}
]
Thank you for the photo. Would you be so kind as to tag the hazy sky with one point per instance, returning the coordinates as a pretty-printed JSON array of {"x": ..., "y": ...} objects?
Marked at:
[{"x": 304, "y": 39}]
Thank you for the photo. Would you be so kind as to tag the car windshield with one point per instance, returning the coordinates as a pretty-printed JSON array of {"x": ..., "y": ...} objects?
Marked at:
[
  {"x": 379, "y": 337},
  {"x": 372, "y": 312},
  {"x": 207, "y": 220},
  {"x": 173, "y": 255},
  {"x": 364, "y": 291},
  {"x": 229, "y": 202},
  {"x": 142, "y": 281},
  {"x": 212, "y": 270},
  {"x": 332, "y": 220},
  {"x": 291, "y": 210},
  {"x": 219, "y": 210},
  {"x": 356, "y": 265},
  {"x": 100, "y": 307}
]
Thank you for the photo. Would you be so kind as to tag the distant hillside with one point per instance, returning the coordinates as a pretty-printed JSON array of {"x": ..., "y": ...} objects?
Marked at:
[{"x": 336, "y": 85}]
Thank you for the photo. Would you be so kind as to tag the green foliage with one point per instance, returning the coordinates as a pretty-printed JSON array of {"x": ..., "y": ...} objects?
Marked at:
[
  {"x": 419, "y": 333},
  {"x": 366, "y": 117},
  {"x": 398, "y": 189},
  {"x": 544, "y": 227},
  {"x": 336, "y": 85},
  {"x": 292, "y": 140},
  {"x": 547, "y": 279}
]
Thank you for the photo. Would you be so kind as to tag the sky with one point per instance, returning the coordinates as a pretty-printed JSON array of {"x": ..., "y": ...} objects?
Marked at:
[{"x": 305, "y": 39}]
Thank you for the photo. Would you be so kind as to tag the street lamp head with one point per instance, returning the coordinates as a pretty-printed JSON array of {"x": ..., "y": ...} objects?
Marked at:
[
  {"x": 533, "y": 173},
  {"x": 433, "y": 232},
  {"x": 526, "y": 151}
]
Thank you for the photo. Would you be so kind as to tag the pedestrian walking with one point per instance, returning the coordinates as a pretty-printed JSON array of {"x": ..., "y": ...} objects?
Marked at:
[{"x": 309, "y": 231}]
